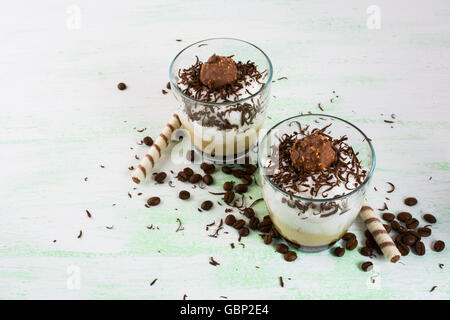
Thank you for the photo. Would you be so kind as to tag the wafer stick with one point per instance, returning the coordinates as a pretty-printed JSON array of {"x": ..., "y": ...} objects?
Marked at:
[
  {"x": 379, "y": 233},
  {"x": 156, "y": 150}
]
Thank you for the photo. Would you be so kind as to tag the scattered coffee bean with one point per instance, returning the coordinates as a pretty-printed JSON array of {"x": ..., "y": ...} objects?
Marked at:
[
  {"x": 409, "y": 240},
  {"x": 412, "y": 223},
  {"x": 243, "y": 232},
  {"x": 190, "y": 155},
  {"x": 253, "y": 223},
  {"x": 290, "y": 256},
  {"x": 227, "y": 186},
  {"x": 282, "y": 248},
  {"x": 238, "y": 173},
  {"x": 184, "y": 195},
  {"x": 419, "y": 248},
  {"x": 153, "y": 201},
  {"x": 188, "y": 171},
  {"x": 148, "y": 141},
  {"x": 415, "y": 234},
  {"x": 348, "y": 236},
  {"x": 370, "y": 242},
  {"x": 267, "y": 239},
  {"x": 208, "y": 179},
  {"x": 241, "y": 188},
  {"x": 424, "y": 231},
  {"x": 387, "y": 227},
  {"x": 395, "y": 225},
  {"x": 239, "y": 224},
  {"x": 230, "y": 220},
  {"x": 404, "y": 250},
  {"x": 339, "y": 251},
  {"x": 429, "y": 218},
  {"x": 195, "y": 178},
  {"x": 366, "y": 251},
  {"x": 206, "y": 205},
  {"x": 160, "y": 177},
  {"x": 351, "y": 244},
  {"x": 121, "y": 86},
  {"x": 208, "y": 168},
  {"x": 227, "y": 170},
  {"x": 404, "y": 216},
  {"x": 228, "y": 197},
  {"x": 247, "y": 180},
  {"x": 181, "y": 176},
  {"x": 389, "y": 217},
  {"x": 439, "y": 246},
  {"x": 274, "y": 233},
  {"x": 411, "y": 201},
  {"x": 250, "y": 169},
  {"x": 249, "y": 212},
  {"x": 367, "y": 266}
]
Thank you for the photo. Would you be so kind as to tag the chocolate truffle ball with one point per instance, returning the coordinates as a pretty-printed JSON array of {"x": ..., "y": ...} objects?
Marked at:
[
  {"x": 218, "y": 71},
  {"x": 312, "y": 153}
]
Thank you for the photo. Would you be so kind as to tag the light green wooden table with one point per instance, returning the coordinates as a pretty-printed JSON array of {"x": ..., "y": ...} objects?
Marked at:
[{"x": 61, "y": 117}]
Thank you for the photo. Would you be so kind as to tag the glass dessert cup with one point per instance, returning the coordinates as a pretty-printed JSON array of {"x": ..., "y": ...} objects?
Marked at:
[
  {"x": 314, "y": 222},
  {"x": 223, "y": 131}
]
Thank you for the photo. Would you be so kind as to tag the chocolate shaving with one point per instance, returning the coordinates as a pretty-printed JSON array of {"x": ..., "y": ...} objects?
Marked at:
[
  {"x": 109, "y": 227},
  {"x": 81, "y": 233},
  {"x": 153, "y": 282},
  {"x": 170, "y": 183},
  {"x": 392, "y": 186},
  {"x": 88, "y": 214},
  {"x": 213, "y": 262},
  {"x": 281, "y": 281},
  {"x": 433, "y": 288},
  {"x": 180, "y": 225},
  {"x": 385, "y": 207},
  {"x": 255, "y": 202}
]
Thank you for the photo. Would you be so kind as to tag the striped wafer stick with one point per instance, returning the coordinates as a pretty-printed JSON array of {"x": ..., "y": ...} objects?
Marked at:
[
  {"x": 379, "y": 233},
  {"x": 156, "y": 150}
]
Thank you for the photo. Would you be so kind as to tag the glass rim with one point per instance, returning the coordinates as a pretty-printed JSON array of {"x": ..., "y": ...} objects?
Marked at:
[
  {"x": 266, "y": 84},
  {"x": 366, "y": 180}
]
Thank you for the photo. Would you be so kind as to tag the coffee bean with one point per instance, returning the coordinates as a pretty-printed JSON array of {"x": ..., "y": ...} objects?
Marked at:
[
  {"x": 282, "y": 248},
  {"x": 424, "y": 231},
  {"x": 238, "y": 224},
  {"x": 206, "y": 205},
  {"x": 195, "y": 178},
  {"x": 387, "y": 227},
  {"x": 253, "y": 223},
  {"x": 227, "y": 170},
  {"x": 404, "y": 216},
  {"x": 389, "y": 217},
  {"x": 184, "y": 195},
  {"x": 339, "y": 251},
  {"x": 247, "y": 180},
  {"x": 370, "y": 242},
  {"x": 227, "y": 186},
  {"x": 208, "y": 168},
  {"x": 415, "y": 234},
  {"x": 395, "y": 225},
  {"x": 412, "y": 223},
  {"x": 243, "y": 232},
  {"x": 290, "y": 256},
  {"x": 404, "y": 250},
  {"x": 429, "y": 218},
  {"x": 230, "y": 220},
  {"x": 409, "y": 240},
  {"x": 148, "y": 141},
  {"x": 228, "y": 197},
  {"x": 250, "y": 169},
  {"x": 419, "y": 248},
  {"x": 274, "y": 233},
  {"x": 351, "y": 244},
  {"x": 238, "y": 173},
  {"x": 366, "y": 251},
  {"x": 264, "y": 226},
  {"x": 188, "y": 171},
  {"x": 121, "y": 86},
  {"x": 153, "y": 201},
  {"x": 190, "y": 155},
  {"x": 267, "y": 239},
  {"x": 411, "y": 201},
  {"x": 241, "y": 188},
  {"x": 439, "y": 246},
  {"x": 368, "y": 234},
  {"x": 348, "y": 236},
  {"x": 267, "y": 218},
  {"x": 249, "y": 212},
  {"x": 367, "y": 266},
  {"x": 160, "y": 177},
  {"x": 181, "y": 176},
  {"x": 402, "y": 229},
  {"x": 208, "y": 180}
]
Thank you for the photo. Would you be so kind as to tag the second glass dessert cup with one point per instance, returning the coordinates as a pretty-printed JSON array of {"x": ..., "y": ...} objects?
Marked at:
[
  {"x": 223, "y": 131},
  {"x": 314, "y": 222}
]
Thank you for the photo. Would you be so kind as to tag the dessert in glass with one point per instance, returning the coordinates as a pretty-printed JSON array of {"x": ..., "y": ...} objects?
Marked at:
[
  {"x": 223, "y": 87},
  {"x": 315, "y": 170}
]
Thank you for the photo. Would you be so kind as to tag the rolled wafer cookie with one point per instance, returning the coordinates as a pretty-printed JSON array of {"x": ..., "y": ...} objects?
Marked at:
[
  {"x": 379, "y": 233},
  {"x": 155, "y": 151}
]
